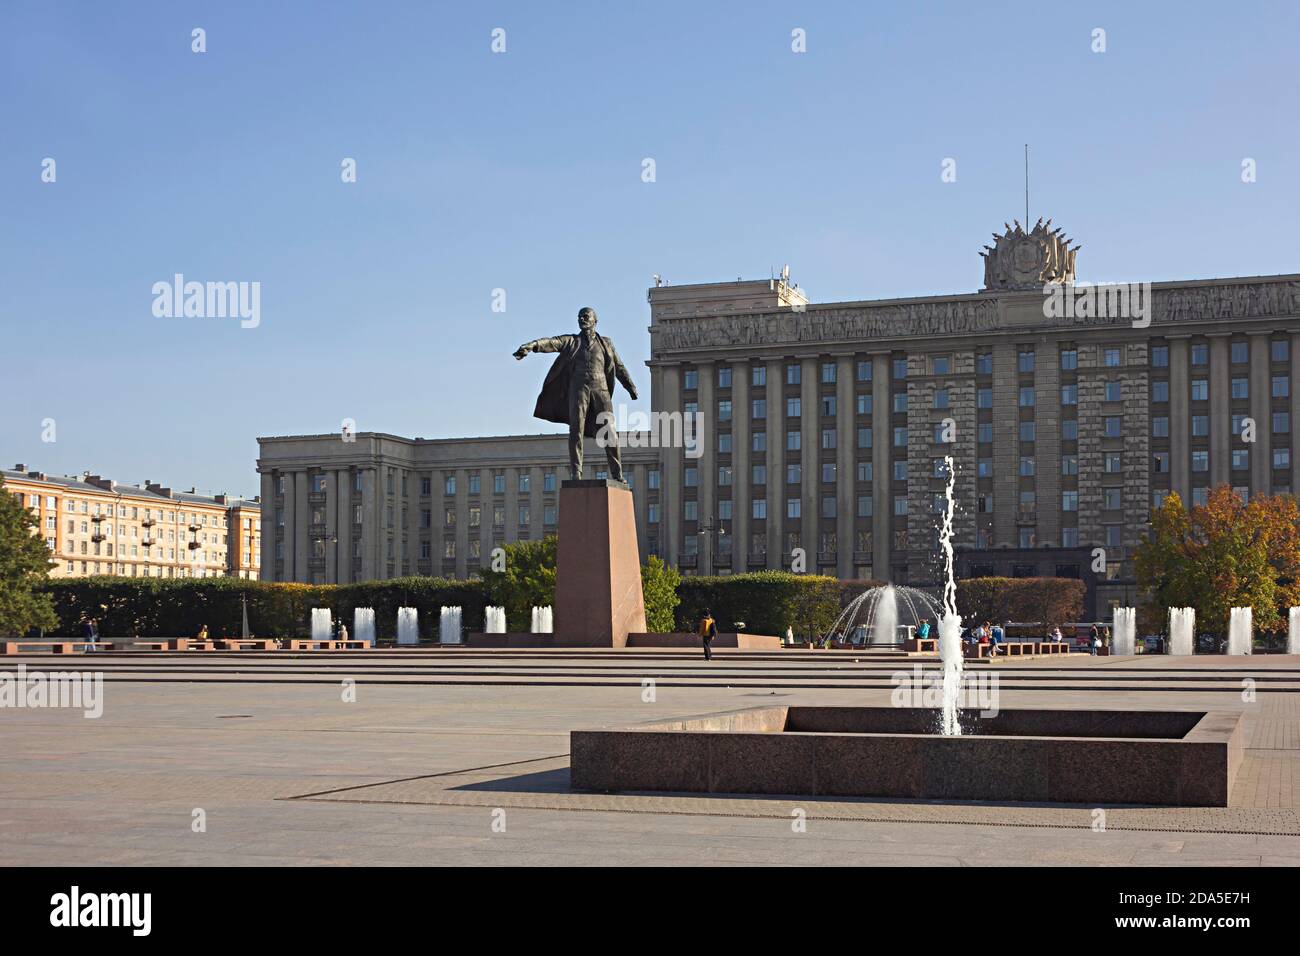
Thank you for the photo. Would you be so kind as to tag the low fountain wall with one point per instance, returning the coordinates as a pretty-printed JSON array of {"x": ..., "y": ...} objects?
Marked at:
[{"x": 1090, "y": 757}]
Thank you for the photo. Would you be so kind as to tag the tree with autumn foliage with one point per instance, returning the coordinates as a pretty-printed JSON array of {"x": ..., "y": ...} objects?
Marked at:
[
  {"x": 1224, "y": 554},
  {"x": 24, "y": 565}
]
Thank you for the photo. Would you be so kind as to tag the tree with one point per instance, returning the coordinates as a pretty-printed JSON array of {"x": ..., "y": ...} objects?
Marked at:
[
  {"x": 527, "y": 581},
  {"x": 24, "y": 565},
  {"x": 1224, "y": 554},
  {"x": 659, "y": 588}
]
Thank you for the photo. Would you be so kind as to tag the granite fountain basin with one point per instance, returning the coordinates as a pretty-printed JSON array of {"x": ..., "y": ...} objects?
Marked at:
[{"x": 1165, "y": 757}]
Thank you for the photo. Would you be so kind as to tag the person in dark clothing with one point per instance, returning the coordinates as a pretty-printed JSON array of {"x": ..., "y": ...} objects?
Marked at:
[{"x": 708, "y": 631}]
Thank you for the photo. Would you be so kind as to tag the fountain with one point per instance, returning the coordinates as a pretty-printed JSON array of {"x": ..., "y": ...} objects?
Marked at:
[
  {"x": 1239, "y": 630},
  {"x": 322, "y": 624},
  {"x": 1124, "y": 629},
  {"x": 950, "y": 623},
  {"x": 494, "y": 620},
  {"x": 1293, "y": 635},
  {"x": 876, "y": 615},
  {"x": 408, "y": 625},
  {"x": 363, "y": 624},
  {"x": 449, "y": 625},
  {"x": 543, "y": 620},
  {"x": 1182, "y": 631}
]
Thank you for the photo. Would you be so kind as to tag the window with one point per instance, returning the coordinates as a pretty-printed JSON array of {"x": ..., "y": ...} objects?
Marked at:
[
  {"x": 1027, "y": 397},
  {"x": 1025, "y": 361},
  {"x": 984, "y": 468},
  {"x": 939, "y": 468},
  {"x": 1240, "y": 353},
  {"x": 691, "y": 512},
  {"x": 1027, "y": 431},
  {"x": 828, "y": 406},
  {"x": 828, "y": 472},
  {"x": 900, "y": 437},
  {"x": 1114, "y": 426},
  {"x": 939, "y": 365},
  {"x": 793, "y": 508},
  {"x": 691, "y": 478},
  {"x": 793, "y": 407},
  {"x": 724, "y": 376},
  {"x": 1070, "y": 394},
  {"x": 724, "y": 474},
  {"x": 1114, "y": 391},
  {"x": 1281, "y": 386},
  {"x": 475, "y": 516},
  {"x": 1241, "y": 388},
  {"x": 1160, "y": 356},
  {"x": 1026, "y": 540},
  {"x": 940, "y": 398},
  {"x": 900, "y": 471},
  {"x": 1069, "y": 360},
  {"x": 1160, "y": 462},
  {"x": 758, "y": 508},
  {"x": 828, "y": 506},
  {"x": 1200, "y": 425},
  {"x": 758, "y": 375},
  {"x": 1069, "y": 501},
  {"x": 900, "y": 505},
  {"x": 1111, "y": 463},
  {"x": 1069, "y": 537},
  {"x": 1159, "y": 391},
  {"x": 1200, "y": 390},
  {"x": 1279, "y": 350},
  {"x": 984, "y": 433},
  {"x": 691, "y": 380},
  {"x": 793, "y": 375},
  {"x": 864, "y": 471},
  {"x": 900, "y": 368},
  {"x": 1240, "y": 459},
  {"x": 449, "y": 485},
  {"x": 548, "y": 481},
  {"x": 864, "y": 371},
  {"x": 1160, "y": 426},
  {"x": 758, "y": 408},
  {"x": 864, "y": 506},
  {"x": 758, "y": 474},
  {"x": 900, "y": 401},
  {"x": 1026, "y": 467},
  {"x": 942, "y": 434},
  {"x": 1110, "y": 358},
  {"x": 793, "y": 441},
  {"x": 724, "y": 410},
  {"x": 984, "y": 364},
  {"x": 793, "y": 474},
  {"x": 758, "y": 441},
  {"x": 828, "y": 373},
  {"x": 984, "y": 398},
  {"x": 1281, "y": 423},
  {"x": 1200, "y": 355},
  {"x": 1281, "y": 457},
  {"x": 653, "y": 480},
  {"x": 1114, "y": 538},
  {"x": 1200, "y": 460}
]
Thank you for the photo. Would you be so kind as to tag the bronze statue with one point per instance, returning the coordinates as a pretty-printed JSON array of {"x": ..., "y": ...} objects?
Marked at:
[{"x": 579, "y": 387}]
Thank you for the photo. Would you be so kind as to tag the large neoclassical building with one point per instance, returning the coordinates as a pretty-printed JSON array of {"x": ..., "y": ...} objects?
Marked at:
[{"x": 1068, "y": 410}]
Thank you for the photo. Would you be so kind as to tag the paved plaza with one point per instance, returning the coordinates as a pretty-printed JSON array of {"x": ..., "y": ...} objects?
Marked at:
[{"x": 459, "y": 756}]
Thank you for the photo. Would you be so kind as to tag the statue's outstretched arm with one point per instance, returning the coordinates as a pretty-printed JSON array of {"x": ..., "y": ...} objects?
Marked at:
[{"x": 553, "y": 344}]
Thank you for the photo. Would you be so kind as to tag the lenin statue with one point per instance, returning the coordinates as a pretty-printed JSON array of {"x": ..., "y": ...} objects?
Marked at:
[{"x": 579, "y": 387}]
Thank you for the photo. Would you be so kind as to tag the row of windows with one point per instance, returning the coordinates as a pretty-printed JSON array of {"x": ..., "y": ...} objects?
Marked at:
[{"x": 1026, "y": 360}]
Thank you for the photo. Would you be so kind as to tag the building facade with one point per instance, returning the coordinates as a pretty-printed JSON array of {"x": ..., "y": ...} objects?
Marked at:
[
  {"x": 94, "y": 525},
  {"x": 365, "y": 506},
  {"x": 1069, "y": 411}
]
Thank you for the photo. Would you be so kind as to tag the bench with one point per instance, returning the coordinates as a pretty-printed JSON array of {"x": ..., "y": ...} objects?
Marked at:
[
  {"x": 310, "y": 644},
  {"x": 56, "y": 647},
  {"x": 239, "y": 643},
  {"x": 1052, "y": 647},
  {"x": 921, "y": 645},
  {"x": 975, "y": 650},
  {"x": 1015, "y": 648}
]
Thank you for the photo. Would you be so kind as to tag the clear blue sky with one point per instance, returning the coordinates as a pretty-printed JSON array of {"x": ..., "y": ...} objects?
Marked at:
[{"x": 522, "y": 171}]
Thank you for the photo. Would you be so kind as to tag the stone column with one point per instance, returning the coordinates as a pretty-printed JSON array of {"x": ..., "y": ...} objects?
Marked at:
[
  {"x": 669, "y": 399},
  {"x": 331, "y": 526},
  {"x": 640, "y": 490},
  {"x": 1261, "y": 389},
  {"x": 775, "y": 427},
  {"x": 267, "y": 569},
  {"x": 370, "y": 524},
  {"x": 810, "y": 458},
  {"x": 882, "y": 436},
  {"x": 707, "y": 464},
  {"x": 1180, "y": 475},
  {"x": 1221, "y": 437},
  {"x": 1294, "y": 355},
  {"x": 512, "y": 495},
  {"x": 844, "y": 471},
  {"x": 1006, "y": 441},
  {"x": 301, "y": 520},
  {"x": 342, "y": 491},
  {"x": 740, "y": 465}
]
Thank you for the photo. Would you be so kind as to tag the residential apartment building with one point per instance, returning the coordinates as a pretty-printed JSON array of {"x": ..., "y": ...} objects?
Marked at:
[{"x": 94, "y": 525}]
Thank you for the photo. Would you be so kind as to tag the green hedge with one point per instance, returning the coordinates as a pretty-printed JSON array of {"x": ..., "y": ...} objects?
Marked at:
[
  {"x": 169, "y": 607},
  {"x": 767, "y": 602}
]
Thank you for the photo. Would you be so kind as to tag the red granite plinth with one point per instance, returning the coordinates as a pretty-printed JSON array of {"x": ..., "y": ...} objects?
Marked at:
[{"x": 598, "y": 598}]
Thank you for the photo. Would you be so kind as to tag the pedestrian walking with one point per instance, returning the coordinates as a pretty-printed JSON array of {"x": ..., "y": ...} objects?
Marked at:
[{"x": 708, "y": 631}]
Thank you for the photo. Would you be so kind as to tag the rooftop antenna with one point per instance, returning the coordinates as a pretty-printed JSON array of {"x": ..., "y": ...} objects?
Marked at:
[{"x": 1026, "y": 184}]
